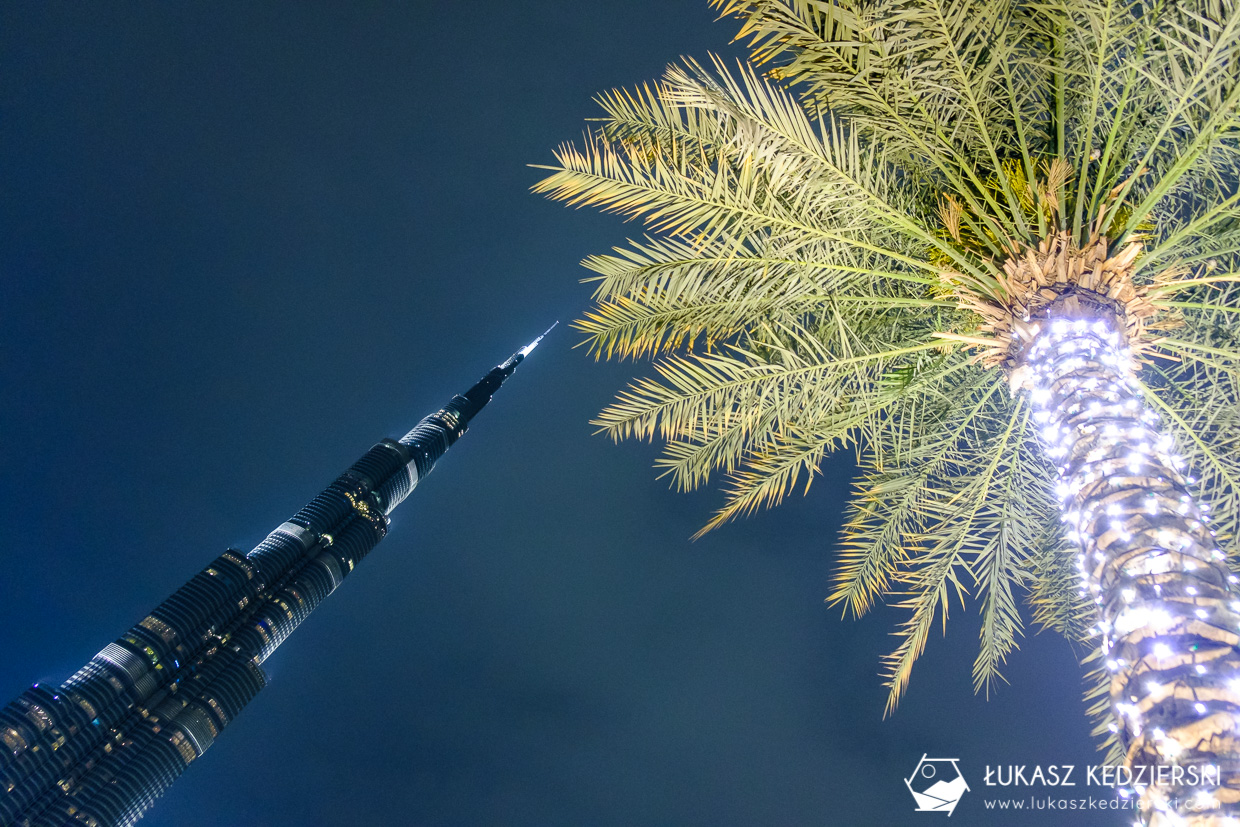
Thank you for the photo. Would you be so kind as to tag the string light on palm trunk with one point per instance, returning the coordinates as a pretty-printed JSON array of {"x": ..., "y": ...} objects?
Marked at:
[{"x": 1168, "y": 623}]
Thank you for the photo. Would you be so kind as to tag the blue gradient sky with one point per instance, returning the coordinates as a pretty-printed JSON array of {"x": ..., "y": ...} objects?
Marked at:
[{"x": 241, "y": 242}]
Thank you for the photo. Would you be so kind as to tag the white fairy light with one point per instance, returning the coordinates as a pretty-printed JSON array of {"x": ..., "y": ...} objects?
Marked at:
[{"x": 1121, "y": 486}]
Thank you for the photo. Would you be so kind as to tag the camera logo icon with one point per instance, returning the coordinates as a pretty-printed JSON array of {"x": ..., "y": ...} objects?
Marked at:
[{"x": 937, "y": 784}]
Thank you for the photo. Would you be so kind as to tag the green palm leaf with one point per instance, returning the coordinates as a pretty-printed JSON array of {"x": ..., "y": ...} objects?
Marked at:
[{"x": 849, "y": 239}]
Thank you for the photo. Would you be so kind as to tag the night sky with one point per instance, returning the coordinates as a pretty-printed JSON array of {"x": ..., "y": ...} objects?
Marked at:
[{"x": 240, "y": 243}]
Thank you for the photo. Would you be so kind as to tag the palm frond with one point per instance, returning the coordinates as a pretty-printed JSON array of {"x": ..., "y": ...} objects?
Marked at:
[
  {"x": 890, "y": 506},
  {"x": 965, "y": 526},
  {"x": 828, "y": 227}
]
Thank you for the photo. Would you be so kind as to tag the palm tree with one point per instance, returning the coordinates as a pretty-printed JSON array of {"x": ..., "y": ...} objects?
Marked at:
[{"x": 991, "y": 246}]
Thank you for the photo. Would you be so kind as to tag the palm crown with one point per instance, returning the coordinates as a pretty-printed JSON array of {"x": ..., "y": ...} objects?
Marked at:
[{"x": 852, "y": 251}]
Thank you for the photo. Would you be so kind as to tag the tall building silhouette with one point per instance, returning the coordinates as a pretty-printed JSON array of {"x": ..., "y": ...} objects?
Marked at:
[{"x": 101, "y": 747}]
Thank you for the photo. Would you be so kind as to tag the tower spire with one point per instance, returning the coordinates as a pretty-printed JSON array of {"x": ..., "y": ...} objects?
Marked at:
[
  {"x": 101, "y": 747},
  {"x": 481, "y": 393},
  {"x": 525, "y": 351},
  {"x": 434, "y": 435}
]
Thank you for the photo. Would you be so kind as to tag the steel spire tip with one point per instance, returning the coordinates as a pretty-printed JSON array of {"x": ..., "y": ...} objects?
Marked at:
[{"x": 525, "y": 351}]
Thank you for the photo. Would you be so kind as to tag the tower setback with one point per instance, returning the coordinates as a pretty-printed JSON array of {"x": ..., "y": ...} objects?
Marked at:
[{"x": 97, "y": 750}]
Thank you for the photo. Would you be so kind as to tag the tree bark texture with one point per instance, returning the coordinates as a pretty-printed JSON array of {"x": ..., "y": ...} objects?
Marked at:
[{"x": 1168, "y": 618}]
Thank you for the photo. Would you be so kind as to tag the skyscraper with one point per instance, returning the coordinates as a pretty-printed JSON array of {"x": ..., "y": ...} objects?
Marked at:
[{"x": 101, "y": 747}]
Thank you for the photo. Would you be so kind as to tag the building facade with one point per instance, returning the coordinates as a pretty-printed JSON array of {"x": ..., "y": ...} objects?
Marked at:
[{"x": 97, "y": 750}]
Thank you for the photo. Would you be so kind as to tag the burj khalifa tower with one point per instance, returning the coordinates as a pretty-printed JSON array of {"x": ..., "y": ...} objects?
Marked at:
[{"x": 97, "y": 750}]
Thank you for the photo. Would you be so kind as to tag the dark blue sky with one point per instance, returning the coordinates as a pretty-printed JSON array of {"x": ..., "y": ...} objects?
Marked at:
[{"x": 241, "y": 242}]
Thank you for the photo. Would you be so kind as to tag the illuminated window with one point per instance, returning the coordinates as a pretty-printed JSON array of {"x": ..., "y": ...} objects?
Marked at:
[
  {"x": 183, "y": 746},
  {"x": 218, "y": 711},
  {"x": 160, "y": 628},
  {"x": 13, "y": 739},
  {"x": 39, "y": 717},
  {"x": 296, "y": 596},
  {"x": 86, "y": 707}
]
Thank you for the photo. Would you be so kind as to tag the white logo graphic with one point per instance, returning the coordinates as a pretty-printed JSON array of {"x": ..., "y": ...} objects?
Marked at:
[{"x": 936, "y": 785}]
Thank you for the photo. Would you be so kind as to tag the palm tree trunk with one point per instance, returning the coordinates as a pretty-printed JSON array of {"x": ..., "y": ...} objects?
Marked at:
[{"x": 1168, "y": 620}]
